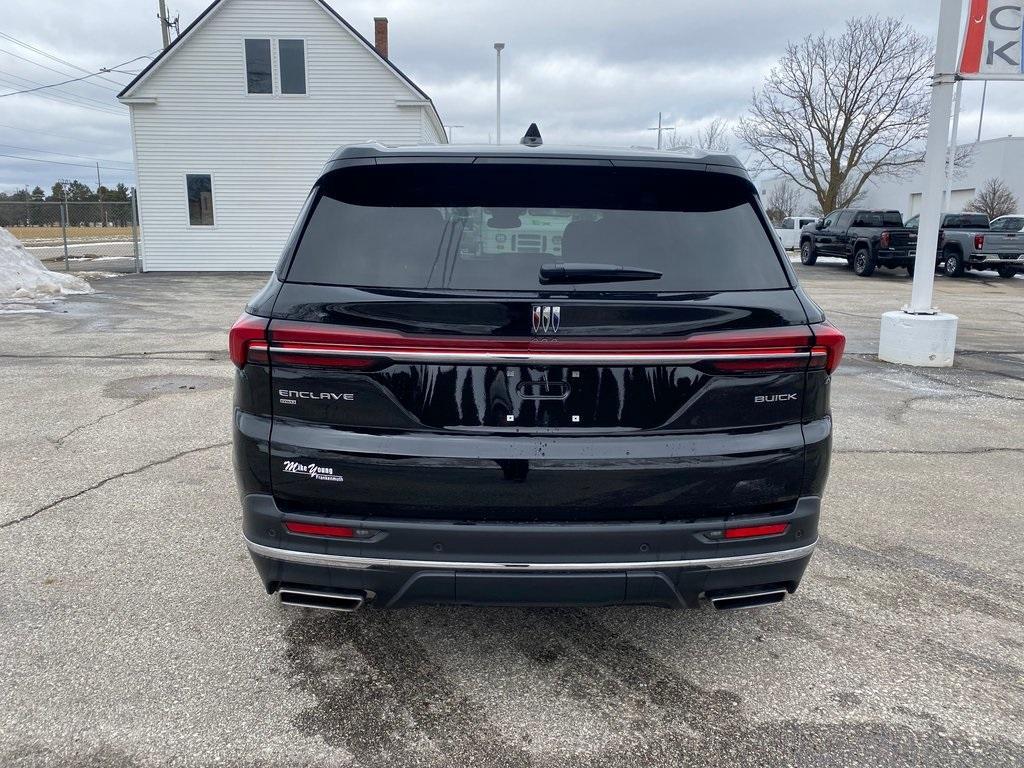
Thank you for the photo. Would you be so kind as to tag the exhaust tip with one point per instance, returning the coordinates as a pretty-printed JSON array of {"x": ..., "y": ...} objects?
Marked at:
[
  {"x": 755, "y": 599},
  {"x": 346, "y": 602}
]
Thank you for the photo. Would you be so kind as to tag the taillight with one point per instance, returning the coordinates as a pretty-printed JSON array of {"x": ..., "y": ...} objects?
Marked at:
[
  {"x": 979, "y": 242},
  {"x": 832, "y": 342},
  {"x": 884, "y": 239},
  {"x": 247, "y": 340},
  {"x": 754, "y": 531}
]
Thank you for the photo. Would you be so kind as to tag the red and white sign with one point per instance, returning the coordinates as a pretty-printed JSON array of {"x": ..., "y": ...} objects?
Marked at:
[{"x": 992, "y": 41}]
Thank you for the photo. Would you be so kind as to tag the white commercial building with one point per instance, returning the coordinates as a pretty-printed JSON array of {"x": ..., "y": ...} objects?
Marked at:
[
  {"x": 232, "y": 123},
  {"x": 992, "y": 158}
]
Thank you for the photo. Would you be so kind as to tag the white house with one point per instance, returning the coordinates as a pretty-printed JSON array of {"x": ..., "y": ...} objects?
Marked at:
[
  {"x": 993, "y": 158},
  {"x": 233, "y": 121}
]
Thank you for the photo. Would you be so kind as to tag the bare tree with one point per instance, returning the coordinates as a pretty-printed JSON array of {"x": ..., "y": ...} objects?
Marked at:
[
  {"x": 714, "y": 136},
  {"x": 994, "y": 199},
  {"x": 837, "y": 111},
  {"x": 781, "y": 200}
]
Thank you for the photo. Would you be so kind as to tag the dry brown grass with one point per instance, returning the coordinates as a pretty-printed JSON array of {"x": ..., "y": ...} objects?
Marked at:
[{"x": 75, "y": 234}]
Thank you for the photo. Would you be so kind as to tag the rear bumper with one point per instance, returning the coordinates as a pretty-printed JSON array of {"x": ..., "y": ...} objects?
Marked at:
[
  {"x": 891, "y": 258},
  {"x": 408, "y": 562},
  {"x": 995, "y": 260}
]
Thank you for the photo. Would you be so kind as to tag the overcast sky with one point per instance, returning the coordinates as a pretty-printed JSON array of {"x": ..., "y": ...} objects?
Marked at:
[{"x": 586, "y": 71}]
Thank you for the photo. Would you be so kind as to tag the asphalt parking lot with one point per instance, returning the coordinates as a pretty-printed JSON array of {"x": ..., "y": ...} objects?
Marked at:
[{"x": 135, "y": 632}]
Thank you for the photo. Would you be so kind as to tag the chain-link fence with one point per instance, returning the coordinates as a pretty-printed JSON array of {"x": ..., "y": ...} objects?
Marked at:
[{"x": 95, "y": 235}]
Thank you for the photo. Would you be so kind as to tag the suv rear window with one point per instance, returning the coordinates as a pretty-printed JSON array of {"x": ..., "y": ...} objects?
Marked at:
[{"x": 490, "y": 226}]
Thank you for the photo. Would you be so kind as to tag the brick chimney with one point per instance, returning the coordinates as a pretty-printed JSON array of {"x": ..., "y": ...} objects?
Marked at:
[{"x": 380, "y": 35}]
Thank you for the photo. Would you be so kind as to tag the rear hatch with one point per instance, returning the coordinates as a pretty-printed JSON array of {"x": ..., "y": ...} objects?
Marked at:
[{"x": 537, "y": 342}]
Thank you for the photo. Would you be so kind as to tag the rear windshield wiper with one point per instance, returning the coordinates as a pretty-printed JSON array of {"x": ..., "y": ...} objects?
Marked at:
[{"x": 594, "y": 273}]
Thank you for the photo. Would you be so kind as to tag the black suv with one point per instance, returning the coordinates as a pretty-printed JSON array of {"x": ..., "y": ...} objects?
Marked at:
[{"x": 531, "y": 375}]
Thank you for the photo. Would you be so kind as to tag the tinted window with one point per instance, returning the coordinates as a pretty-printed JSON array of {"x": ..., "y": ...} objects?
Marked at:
[
  {"x": 912, "y": 222},
  {"x": 199, "y": 187},
  {"x": 258, "y": 76},
  {"x": 492, "y": 226},
  {"x": 891, "y": 218},
  {"x": 845, "y": 219},
  {"x": 292, "y": 56},
  {"x": 1008, "y": 224}
]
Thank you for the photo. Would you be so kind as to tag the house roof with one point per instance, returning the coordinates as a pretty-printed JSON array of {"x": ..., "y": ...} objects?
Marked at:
[{"x": 216, "y": 4}]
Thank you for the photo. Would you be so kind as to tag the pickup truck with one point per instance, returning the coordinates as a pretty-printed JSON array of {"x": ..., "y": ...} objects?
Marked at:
[
  {"x": 970, "y": 241},
  {"x": 789, "y": 230},
  {"x": 865, "y": 238}
]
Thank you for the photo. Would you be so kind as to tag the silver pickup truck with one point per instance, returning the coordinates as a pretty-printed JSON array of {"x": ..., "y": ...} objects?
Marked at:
[{"x": 970, "y": 241}]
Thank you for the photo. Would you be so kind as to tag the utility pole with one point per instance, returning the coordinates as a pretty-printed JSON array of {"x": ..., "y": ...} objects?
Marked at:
[
  {"x": 450, "y": 127},
  {"x": 99, "y": 195},
  {"x": 165, "y": 25},
  {"x": 661, "y": 128},
  {"x": 498, "y": 48}
]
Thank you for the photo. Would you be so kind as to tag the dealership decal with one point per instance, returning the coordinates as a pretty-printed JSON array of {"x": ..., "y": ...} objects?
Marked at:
[{"x": 313, "y": 471}]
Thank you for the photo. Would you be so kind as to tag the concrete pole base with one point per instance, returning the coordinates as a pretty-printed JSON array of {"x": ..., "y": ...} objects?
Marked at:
[{"x": 922, "y": 340}]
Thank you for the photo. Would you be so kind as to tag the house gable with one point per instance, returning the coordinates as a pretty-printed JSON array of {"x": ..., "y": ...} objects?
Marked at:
[{"x": 141, "y": 90}]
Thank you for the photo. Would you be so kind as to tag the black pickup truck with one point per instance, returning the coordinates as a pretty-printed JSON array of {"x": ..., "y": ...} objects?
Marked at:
[{"x": 865, "y": 238}]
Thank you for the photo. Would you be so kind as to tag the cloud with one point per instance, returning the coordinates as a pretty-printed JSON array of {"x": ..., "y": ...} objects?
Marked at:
[{"x": 591, "y": 72}]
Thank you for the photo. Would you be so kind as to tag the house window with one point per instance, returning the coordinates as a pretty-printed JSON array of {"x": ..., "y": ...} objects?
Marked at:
[
  {"x": 199, "y": 188},
  {"x": 292, "y": 57},
  {"x": 258, "y": 73}
]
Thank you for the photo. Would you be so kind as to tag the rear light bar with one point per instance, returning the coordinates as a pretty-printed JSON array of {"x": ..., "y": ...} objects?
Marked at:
[
  {"x": 762, "y": 351},
  {"x": 754, "y": 531}
]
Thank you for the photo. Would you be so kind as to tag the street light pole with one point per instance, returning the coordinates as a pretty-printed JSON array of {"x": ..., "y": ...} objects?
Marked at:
[
  {"x": 498, "y": 48},
  {"x": 661, "y": 128}
]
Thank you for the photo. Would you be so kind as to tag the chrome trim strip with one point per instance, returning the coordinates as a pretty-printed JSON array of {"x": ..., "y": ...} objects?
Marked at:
[
  {"x": 349, "y": 561},
  {"x": 631, "y": 358}
]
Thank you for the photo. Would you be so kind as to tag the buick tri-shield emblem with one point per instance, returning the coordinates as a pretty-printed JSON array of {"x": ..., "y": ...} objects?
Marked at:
[{"x": 546, "y": 319}]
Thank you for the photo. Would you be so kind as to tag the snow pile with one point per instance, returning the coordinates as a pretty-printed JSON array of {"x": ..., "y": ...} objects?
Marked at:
[{"x": 23, "y": 276}]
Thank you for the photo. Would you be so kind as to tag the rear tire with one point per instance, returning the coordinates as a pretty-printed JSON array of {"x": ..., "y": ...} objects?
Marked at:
[
  {"x": 863, "y": 263},
  {"x": 1006, "y": 272},
  {"x": 954, "y": 266},
  {"x": 807, "y": 254}
]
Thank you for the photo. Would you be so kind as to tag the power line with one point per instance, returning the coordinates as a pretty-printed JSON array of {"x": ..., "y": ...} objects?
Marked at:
[
  {"x": 46, "y": 133},
  {"x": 62, "y": 73},
  {"x": 61, "y": 162},
  {"x": 43, "y": 86},
  {"x": 50, "y": 56},
  {"x": 112, "y": 108},
  {"x": 65, "y": 154}
]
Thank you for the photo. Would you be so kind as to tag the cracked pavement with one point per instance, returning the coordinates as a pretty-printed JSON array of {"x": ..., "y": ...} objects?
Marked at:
[{"x": 135, "y": 632}]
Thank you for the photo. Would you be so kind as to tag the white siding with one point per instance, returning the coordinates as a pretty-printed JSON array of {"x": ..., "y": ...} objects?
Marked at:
[
  {"x": 263, "y": 151},
  {"x": 993, "y": 158}
]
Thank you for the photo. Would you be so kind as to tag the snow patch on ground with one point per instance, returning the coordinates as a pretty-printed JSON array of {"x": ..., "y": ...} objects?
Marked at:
[{"x": 23, "y": 276}]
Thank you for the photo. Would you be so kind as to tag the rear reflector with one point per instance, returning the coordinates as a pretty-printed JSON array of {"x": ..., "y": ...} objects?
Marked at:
[
  {"x": 312, "y": 529},
  {"x": 791, "y": 348},
  {"x": 248, "y": 335},
  {"x": 753, "y": 531}
]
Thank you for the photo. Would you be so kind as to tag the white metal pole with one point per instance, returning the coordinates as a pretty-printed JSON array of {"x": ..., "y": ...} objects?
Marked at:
[
  {"x": 946, "y": 47},
  {"x": 498, "y": 48},
  {"x": 981, "y": 115},
  {"x": 947, "y": 197}
]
